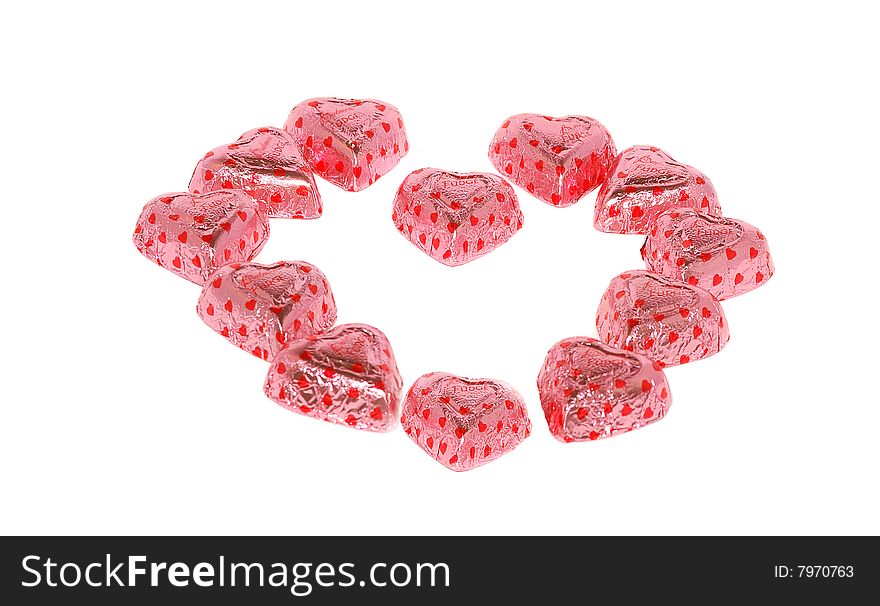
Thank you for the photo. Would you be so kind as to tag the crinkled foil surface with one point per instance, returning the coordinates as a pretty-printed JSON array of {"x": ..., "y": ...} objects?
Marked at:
[{"x": 455, "y": 217}]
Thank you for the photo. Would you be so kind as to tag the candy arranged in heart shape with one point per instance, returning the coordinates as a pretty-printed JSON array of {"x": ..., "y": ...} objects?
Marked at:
[
  {"x": 725, "y": 256},
  {"x": 349, "y": 142},
  {"x": 347, "y": 375},
  {"x": 668, "y": 321},
  {"x": 590, "y": 390},
  {"x": 191, "y": 235},
  {"x": 267, "y": 165},
  {"x": 260, "y": 308},
  {"x": 557, "y": 160},
  {"x": 456, "y": 217},
  {"x": 645, "y": 181},
  {"x": 464, "y": 423}
]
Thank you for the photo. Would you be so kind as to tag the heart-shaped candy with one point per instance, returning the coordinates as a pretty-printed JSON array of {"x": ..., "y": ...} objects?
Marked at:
[
  {"x": 590, "y": 390},
  {"x": 349, "y": 142},
  {"x": 645, "y": 181},
  {"x": 347, "y": 375},
  {"x": 260, "y": 308},
  {"x": 557, "y": 160},
  {"x": 191, "y": 235},
  {"x": 265, "y": 163},
  {"x": 725, "y": 256},
  {"x": 456, "y": 217},
  {"x": 464, "y": 423},
  {"x": 668, "y": 321}
]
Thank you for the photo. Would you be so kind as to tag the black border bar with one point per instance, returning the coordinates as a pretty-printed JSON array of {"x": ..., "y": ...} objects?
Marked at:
[{"x": 521, "y": 570}]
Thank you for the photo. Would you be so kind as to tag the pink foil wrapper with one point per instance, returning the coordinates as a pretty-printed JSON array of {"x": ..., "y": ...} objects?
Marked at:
[
  {"x": 347, "y": 375},
  {"x": 261, "y": 308},
  {"x": 590, "y": 390},
  {"x": 192, "y": 235},
  {"x": 266, "y": 164},
  {"x": 463, "y": 423},
  {"x": 725, "y": 256},
  {"x": 557, "y": 160},
  {"x": 645, "y": 181},
  {"x": 668, "y": 321},
  {"x": 456, "y": 217},
  {"x": 349, "y": 142}
]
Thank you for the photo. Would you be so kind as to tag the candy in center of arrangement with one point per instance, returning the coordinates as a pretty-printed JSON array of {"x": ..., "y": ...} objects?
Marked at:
[
  {"x": 557, "y": 160},
  {"x": 349, "y": 142},
  {"x": 456, "y": 217}
]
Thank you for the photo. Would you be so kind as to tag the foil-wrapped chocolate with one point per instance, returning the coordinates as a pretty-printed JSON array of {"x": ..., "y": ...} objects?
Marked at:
[
  {"x": 668, "y": 321},
  {"x": 463, "y": 423},
  {"x": 643, "y": 182},
  {"x": 349, "y": 142},
  {"x": 261, "y": 308},
  {"x": 725, "y": 256},
  {"x": 192, "y": 235},
  {"x": 267, "y": 165},
  {"x": 347, "y": 375},
  {"x": 590, "y": 390},
  {"x": 456, "y": 217},
  {"x": 557, "y": 160}
]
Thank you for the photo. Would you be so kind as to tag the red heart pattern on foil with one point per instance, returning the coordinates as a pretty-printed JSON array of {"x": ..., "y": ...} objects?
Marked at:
[
  {"x": 557, "y": 160},
  {"x": 349, "y": 142},
  {"x": 643, "y": 182},
  {"x": 347, "y": 375},
  {"x": 725, "y": 256},
  {"x": 669, "y": 322},
  {"x": 191, "y": 235},
  {"x": 266, "y": 164},
  {"x": 262, "y": 308},
  {"x": 590, "y": 390},
  {"x": 463, "y": 423},
  {"x": 454, "y": 217}
]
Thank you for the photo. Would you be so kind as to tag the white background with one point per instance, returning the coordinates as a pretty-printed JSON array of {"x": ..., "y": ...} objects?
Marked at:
[{"x": 123, "y": 413}]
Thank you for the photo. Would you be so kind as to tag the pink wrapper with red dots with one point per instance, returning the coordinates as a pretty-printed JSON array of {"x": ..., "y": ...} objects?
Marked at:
[
  {"x": 456, "y": 217},
  {"x": 557, "y": 160},
  {"x": 191, "y": 235},
  {"x": 463, "y": 423},
  {"x": 347, "y": 375},
  {"x": 667, "y": 321},
  {"x": 261, "y": 308},
  {"x": 725, "y": 256},
  {"x": 349, "y": 142},
  {"x": 266, "y": 164},
  {"x": 590, "y": 390},
  {"x": 643, "y": 182}
]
